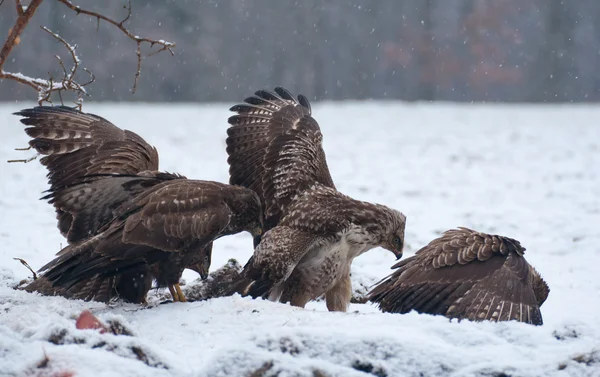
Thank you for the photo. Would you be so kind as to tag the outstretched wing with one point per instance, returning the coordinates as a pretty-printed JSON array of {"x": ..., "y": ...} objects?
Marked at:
[
  {"x": 274, "y": 259},
  {"x": 78, "y": 145},
  {"x": 275, "y": 148},
  {"x": 180, "y": 216},
  {"x": 466, "y": 275}
]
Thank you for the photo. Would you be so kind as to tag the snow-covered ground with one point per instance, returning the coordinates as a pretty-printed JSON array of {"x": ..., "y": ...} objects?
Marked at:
[{"x": 527, "y": 172}]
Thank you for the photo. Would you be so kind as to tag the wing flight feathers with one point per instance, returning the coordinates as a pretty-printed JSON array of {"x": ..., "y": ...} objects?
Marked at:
[{"x": 466, "y": 275}]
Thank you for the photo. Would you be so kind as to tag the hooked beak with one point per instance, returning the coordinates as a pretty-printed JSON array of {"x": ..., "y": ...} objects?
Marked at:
[
  {"x": 203, "y": 275},
  {"x": 398, "y": 254},
  {"x": 201, "y": 270}
]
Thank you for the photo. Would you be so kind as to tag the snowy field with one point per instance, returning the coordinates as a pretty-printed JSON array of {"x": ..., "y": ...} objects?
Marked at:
[{"x": 531, "y": 173}]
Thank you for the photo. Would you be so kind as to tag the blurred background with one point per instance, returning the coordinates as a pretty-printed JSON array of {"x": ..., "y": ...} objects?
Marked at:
[{"x": 448, "y": 50}]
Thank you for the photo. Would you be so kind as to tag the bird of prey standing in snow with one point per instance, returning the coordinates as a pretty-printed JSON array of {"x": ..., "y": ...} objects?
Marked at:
[
  {"x": 126, "y": 222},
  {"x": 312, "y": 231}
]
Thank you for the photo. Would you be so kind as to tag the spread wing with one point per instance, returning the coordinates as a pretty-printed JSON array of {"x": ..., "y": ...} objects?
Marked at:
[
  {"x": 181, "y": 216},
  {"x": 274, "y": 259},
  {"x": 275, "y": 148},
  {"x": 466, "y": 275},
  {"x": 79, "y": 147}
]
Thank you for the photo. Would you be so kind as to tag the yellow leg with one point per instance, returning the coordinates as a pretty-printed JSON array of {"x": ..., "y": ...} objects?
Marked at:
[
  {"x": 176, "y": 293},
  {"x": 180, "y": 293},
  {"x": 173, "y": 293}
]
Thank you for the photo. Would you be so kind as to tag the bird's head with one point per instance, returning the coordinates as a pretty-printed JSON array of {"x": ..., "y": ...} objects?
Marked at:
[
  {"x": 201, "y": 263},
  {"x": 248, "y": 214},
  {"x": 393, "y": 237}
]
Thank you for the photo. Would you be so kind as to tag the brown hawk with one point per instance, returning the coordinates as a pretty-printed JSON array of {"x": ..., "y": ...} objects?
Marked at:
[
  {"x": 126, "y": 222},
  {"x": 466, "y": 274},
  {"x": 312, "y": 231}
]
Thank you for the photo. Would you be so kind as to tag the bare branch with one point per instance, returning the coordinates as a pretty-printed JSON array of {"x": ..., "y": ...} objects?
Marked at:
[
  {"x": 45, "y": 88},
  {"x": 15, "y": 31},
  {"x": 138, "y": 53},
  {"x": 71, "y": 49},
  {"x": 24, "y": 263},
  {"x": 168, "y": 46},
  {"x": 68, "y": 81},
  {"x": 62, "y": 65},
  {"x": 19, "y": 7},
  {"x": 92, "y": 77},
  {"x": 128, "y": 13},
  {"x": 24, "y": 160},
  {"x": 33, "y": 82}
]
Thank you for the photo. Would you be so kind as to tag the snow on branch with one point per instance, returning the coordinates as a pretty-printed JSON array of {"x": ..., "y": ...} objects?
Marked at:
[
  {"x": 164, "y": 45},
  {"x": 44, "y": 87},
  {"x": 68, "y": 82}
]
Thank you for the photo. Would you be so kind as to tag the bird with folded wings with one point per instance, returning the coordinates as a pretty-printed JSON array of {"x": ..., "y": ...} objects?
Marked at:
[
  {"x": 126, "y": 222},
  {"x": 466, "y": 274},
  {"x": 312, "y": 231}
]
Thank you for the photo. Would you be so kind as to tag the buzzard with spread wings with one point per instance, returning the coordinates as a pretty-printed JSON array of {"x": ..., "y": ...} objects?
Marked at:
[
  {"x": 466, "y": 274},
  {"x": 312, "y": 231},
  {"x": 126, "y": 222}
]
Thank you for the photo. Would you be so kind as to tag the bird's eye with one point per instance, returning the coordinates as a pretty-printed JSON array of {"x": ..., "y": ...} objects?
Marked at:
[{"x": 397, "y": 240}]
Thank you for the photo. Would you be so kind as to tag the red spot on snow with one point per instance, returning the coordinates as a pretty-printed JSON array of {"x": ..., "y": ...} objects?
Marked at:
[{"x": 87, "y": 320}]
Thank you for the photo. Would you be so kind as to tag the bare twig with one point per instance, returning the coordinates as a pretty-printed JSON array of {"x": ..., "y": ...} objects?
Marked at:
[
  {"x": 68, "y": 81},
  {"x": 16, "y": 31},
  {"x": 92, "y": 77},
  {"x": 168, "y": 46},
  {"x": 45, "y": 88},
  {"x": 24, "y": 263},
  {"x": 26, "y": 80},
  {"x": 19, "y": 7},
  {"x": 24, "y": 160},
  {"x": 128, "y": 13}
]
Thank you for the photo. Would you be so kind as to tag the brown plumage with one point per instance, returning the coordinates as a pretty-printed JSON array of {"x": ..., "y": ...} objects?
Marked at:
[
  {"x": 80, "y": 148},
  {"x": 313, "y": 232},
  {"x": 127, "y": 223},
  {"x": 466, "y": 274}
]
